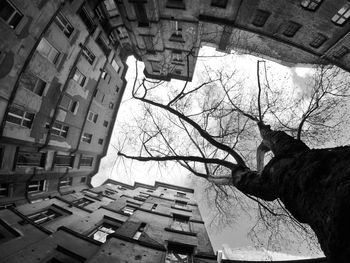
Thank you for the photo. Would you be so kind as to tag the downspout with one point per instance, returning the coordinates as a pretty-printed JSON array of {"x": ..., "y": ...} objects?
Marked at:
[
  {"x": 24, "y": 67},
  {"x": 65, "y": 87}
]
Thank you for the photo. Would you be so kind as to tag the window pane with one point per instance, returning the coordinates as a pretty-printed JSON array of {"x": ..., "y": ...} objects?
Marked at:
[
  {"x": 6, "y": 10},
  {"x": 15, "y": 20}
]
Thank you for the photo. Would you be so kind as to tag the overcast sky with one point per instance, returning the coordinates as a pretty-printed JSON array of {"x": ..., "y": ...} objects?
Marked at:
[{"x": 126, "y": 171}]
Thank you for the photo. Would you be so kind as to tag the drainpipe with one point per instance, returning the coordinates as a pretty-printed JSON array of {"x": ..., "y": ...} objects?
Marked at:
[
  {"x": 24, "y": 67},
  {"x": 88, "y": 108},
  {"x": 65, "y": 87}
]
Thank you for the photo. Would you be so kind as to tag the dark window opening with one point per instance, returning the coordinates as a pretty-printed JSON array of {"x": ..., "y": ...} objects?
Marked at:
[
  {"x": 64, "y": 160},
  {"x": 291, "y": 29},
  {"x": 87, "y": 19},
  {"x": 341, "y": 52},
  {"x": 318, "y": 41},
  {"x": 219, "y": 3},
  {"x": 260, "y": 18},
  {"x": 82, "y": 202},
  {"x": 10, "y": 14},
  {"x": 141, "y": 14},
  {"x": 86, "y": 161},
  {"x": 176, "y": 4},
  {"x": 34, "y": 159}
]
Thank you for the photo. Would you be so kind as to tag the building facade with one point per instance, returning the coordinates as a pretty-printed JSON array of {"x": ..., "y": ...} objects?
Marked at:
[{"x": 61, "y": 83}]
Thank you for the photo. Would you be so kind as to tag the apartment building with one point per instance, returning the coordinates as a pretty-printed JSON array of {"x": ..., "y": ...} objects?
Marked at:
[{"x": 61, "y": 83}]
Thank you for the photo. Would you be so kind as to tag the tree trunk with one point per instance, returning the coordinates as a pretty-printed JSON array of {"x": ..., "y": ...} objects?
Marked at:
[{"x": 314, "y": 185}]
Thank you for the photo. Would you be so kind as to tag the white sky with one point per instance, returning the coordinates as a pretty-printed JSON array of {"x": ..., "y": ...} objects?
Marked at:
[{"x": 127, "y": 171}]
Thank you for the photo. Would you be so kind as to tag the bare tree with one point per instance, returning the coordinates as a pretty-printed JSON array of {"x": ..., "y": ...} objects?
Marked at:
[{"x": 219, "y": 131}]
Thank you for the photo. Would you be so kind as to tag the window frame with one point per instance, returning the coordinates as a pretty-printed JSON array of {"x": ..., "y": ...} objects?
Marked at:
[
  {"x": 39, "y": 187},
  {"x": 79, "y": 77},
  {"x": 178, "y": 249},
  {"x": 92, "y": 116},
  {"x": 180, "y": 223},
  {"x": 311, "y": 5},
  {"x": 260, "y": 18},
  {"x": 36, "y": 86},
  {"x": 115, "y": 65},
  {"x": 4, "y": 190},
  {"x": 318, "y": 41},
  {"x": 341, "y": 52},
  {"x": 60, "y": 129},
  {"x": 128, "y": 210},
  {"x": 67, "y": 164},
  {"x": 9, "y": 21},
  {"x": 291, "y": 29},
  {"x": 86, "y": 137},
  {"x": 86, "y": 161},
  {"x": 51, "y": 48},
  {"x": 219, "y": 3},
  {"x": 346, "y": 8},
  {"x": 82, "y": 202},
  {"x": 38, "y": 157},
  {"x": 44, "y": 217},
  {"x": 24, "y": 119},
  {"x": 64, "y": 25},
  {"x": 106, "y": 229},
  {"x": 88, "y": 54}
]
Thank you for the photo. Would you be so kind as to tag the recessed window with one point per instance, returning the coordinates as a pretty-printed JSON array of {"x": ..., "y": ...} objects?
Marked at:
[
  {"x": 178, "y": 253},
  {"x": 101, "y": 232},
  {"x": 82, "y": 202},
  {"x": 318, "y": 41},
  {"x": 291, "y": 29},
  {"x": 177, "y": 56},
  {"x": 92, "y": 117},
  {"x": 105, "y": 123},
  {"x": 219, "y": 3},
  {"x": 83, "y": 179},
  {"x": 20, "y": 117},
  {"x": 154, "y": 206},
  {"x": 342, "y": 16},
  {"x": 181, "y": 223},
  {"x": 87, "y": 137},
  {"x": 103, "y": 44},
  {"x": 87, "y": 19},
  {"x": 33, "y": 83},
  {"x": 100, "y": 141},
  {"x": 87, "y": 53},
  {"x": 141, "y": 14},
  {"x": 10, "y": 14},
  {"x": 260, "y": 18},
  {"x": 110, "y": 192},
  {"x": 36, "y": 186},
  {"x": 150, "y": 191},
  {"x": 111, "y": 105},
  {"x": 48, "y": 51},
  {"x": 86, "y": 161},
  {"x": 180, "y": 194},
  {"x": 34, "y": 159},
  {"x": 128, "y": 210},
  {"x": 63, "y": 23},
  {"x": 139, "y": 231},
  {"x": 7, "y": 232},
  {"x": 121, "y": 188},
  {"x": 177, "y": 35},
  {"x": 4, "y": 191},
  {"x": 79, "y": 77},
  {"x": 341, "y": 52},
  {"x": 59, "y": 130},
  {"x": 104, "y": 74},
  {"x": 176, "y": 4},
  {"x": 63, "y": 160},
  {"x": 44, "y": 216},
  {"x": 111, "y": 8},
  {"x": 311, "y": 4},
  {"x": 65, "y": 182},
  {"x": 115, "y": 65},
  {"x": 180, "y": 204}
]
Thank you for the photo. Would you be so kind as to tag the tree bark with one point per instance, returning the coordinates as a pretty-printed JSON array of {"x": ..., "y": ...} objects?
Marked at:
[{"x": 314, "y": 185}]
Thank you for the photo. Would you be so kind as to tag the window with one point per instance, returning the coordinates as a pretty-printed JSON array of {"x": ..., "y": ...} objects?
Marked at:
[
  {"x": 141, "y": 14},
  {"x": 176, "y": 4},
  {"x": 36, "y": 186},
  {"x": 63, "y": 160},
  {"x": 59, "y": 130},
  {"x": 260, "y": 18},
  {"x": 121, "y": 188},
  {"x": 86, "y": 161},
  {"x": 82, "y": 202},
  {"x": 20, "y": 117},
  {"x": 155, "y": 66},
  {"x": 180, "y": 194},
  {"x": 79, "y": 77},
  {"x": 33, "y": 83},
  {"x": 311, "y": 4},
  {"x": 101, "y": 232},
  {"x": 318, "y": 41},
  {"x": 341, "y": 52},
  {"x": 111, "y": 8},
  {"x": 10, "y": 14},
  {"x": 177, "y": 56},
  {"x": 100, "y": 141},
  {"x": 48, "y": 51},
  {"x": 105, "y": 123},
  {"x": 66, "y": 182},
  {"x": 115, "y": 65},
  {"x": 291, "y": 29},
  {"x": 88, "y": 55},
  {"x": 74, "y": 107},
  {"x": 92, "y": 117},
  {"x": 44, "y": 216},
  {"x": 219, "y": 3},
  {"x": 128, "y": 210},
  {"x": 87, "y": 19},
  {"x": 342, "y": 16},
  {"x": 30, "y": 159},
  {"x": 103, "y": 44},
  {"x": 181, "y": 223},
  {"x": 178, "y": 254},
  {"x": 111, "y": 105},
  {"x": 180, "y": 204},
  {"x": 154, "y": 206},
  {"x": 104, "y": 74},
  {"x": 139, "y": 231},
  {"x": 83, "y": 179},
  {"x": 110, "y": 192},
  {"x": 150, "y": 191},
  {"x": 87, "y": 137},
  {"x": 4, "y": 190},
  {"x": 62, "y": 22}
]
